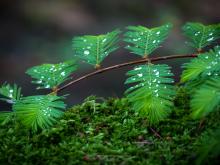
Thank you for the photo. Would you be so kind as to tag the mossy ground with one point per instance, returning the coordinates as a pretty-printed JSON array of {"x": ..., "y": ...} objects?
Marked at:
[{"x": 108, "y": 133}]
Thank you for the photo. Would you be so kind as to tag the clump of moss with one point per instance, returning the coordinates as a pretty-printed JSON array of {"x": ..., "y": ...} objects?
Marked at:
[{"x": 107, "y": 132}]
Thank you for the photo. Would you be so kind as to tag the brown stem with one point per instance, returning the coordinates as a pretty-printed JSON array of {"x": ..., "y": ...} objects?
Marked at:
[
  {"x": 123, "y": 65},
  {"x": 155, "y": 133}
]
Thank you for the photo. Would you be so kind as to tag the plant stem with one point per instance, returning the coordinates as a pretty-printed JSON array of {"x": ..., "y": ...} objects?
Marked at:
[
  {"x": 155, "y": 133},
  {"x": 123, "y": 65}
]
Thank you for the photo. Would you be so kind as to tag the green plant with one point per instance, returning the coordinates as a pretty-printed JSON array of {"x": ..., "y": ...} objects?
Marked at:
[{"x": 153, "y": 93}]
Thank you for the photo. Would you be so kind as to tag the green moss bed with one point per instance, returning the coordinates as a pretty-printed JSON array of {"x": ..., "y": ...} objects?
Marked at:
[{"x": 109, "y": 132}]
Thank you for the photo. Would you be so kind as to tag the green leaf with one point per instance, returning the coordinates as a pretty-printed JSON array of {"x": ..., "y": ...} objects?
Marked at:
[
  {"x": 153, "y": 93},
  {"x": 200, "y": 34},
  {"x": 206, "y": 99},
  {"x": 93, "y": 49},
  {"x": 39, "y": 111},
  {"x": 144, "y": 40},
  {"x": 50, "y": 76},
  {"x": 10, "y": 93},
  {"x": 205, "y": 65},
  {"x": 5, "y": 117}
]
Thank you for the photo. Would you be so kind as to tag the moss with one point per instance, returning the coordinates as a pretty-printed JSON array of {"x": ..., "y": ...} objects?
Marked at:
[{"x": 107, "y": 132}]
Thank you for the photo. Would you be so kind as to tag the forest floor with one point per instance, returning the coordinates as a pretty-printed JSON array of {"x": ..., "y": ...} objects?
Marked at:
[{"x": 109, "y": 132}]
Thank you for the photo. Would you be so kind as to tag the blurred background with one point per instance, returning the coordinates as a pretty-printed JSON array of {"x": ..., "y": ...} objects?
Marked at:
[{"x": 33, "y": 32}]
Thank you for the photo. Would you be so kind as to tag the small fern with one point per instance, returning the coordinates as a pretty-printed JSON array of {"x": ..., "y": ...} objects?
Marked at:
[
  {"x": 144, "y": 40},
  {"x": 49, "y": 76},
  {"x": 206, "y": 65},
  {"x": 153, "y": 93},
  {"x": 39, "y": 111},
  {"x": 207, "y": 98},
  {"x": 200, "y": 34},
  {"x": 94, "y": 49}
]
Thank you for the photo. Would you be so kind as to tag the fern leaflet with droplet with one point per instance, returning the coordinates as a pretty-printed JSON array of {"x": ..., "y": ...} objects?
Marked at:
[
  {"x": 153, "y": 93},
  {"x": 144, "y": 40}
]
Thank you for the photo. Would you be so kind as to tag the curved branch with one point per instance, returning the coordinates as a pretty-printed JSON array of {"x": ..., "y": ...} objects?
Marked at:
[{"x": 123, "y": 65}]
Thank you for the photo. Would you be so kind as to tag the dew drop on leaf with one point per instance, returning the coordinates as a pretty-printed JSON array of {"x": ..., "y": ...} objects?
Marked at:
[
  {"x": 63, "y": 73},
  {"x": 86, "y": 52},
  {"x": 104, "y": 40},
  {"x": 210, "y": 39},
  {"x": 140, "y": 75},
  {"x": 138, "y": 68}
]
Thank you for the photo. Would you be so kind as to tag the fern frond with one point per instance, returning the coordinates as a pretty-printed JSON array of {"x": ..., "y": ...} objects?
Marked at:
[
  {"x": 206, "y": 99},
  {"x": 144, "y": 40},
  {"x": 200, "y": 34},
  {"x": 205, "y": 65},
  {"x": 93, "y": 49},
  {"x": 50, "y": 76},
  {"x": 153, "y": 93},
  {"x": 39, "y": 111},
  {"x": 5, "y": 117},
  {"x": 10, "y": 93}
]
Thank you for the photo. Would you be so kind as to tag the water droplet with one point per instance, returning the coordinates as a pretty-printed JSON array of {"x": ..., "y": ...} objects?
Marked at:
[
  {"x": 47, "y": 86},
  {"x": 135, "y": 39},
  {"x": 63, "y": 73},
  {"x": 154, "y": 41},
  {"x": 104, "y": 40},
  {"x": 210, "y": 34},
  {"x": 157, "y": 73},
  {"x": 84, "y": 40},
  {"x": 11, "y": 91},
  {"x": 140, "y": 75},
  {"x": 209, "y": 73},
  {"x": 154, "y": 80},
  {"x": 210, "y": 39},
  {"x": 138, "y": 68},
  {"x": 158, "y": 33},
  {"x": 86, "y": 52}
]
